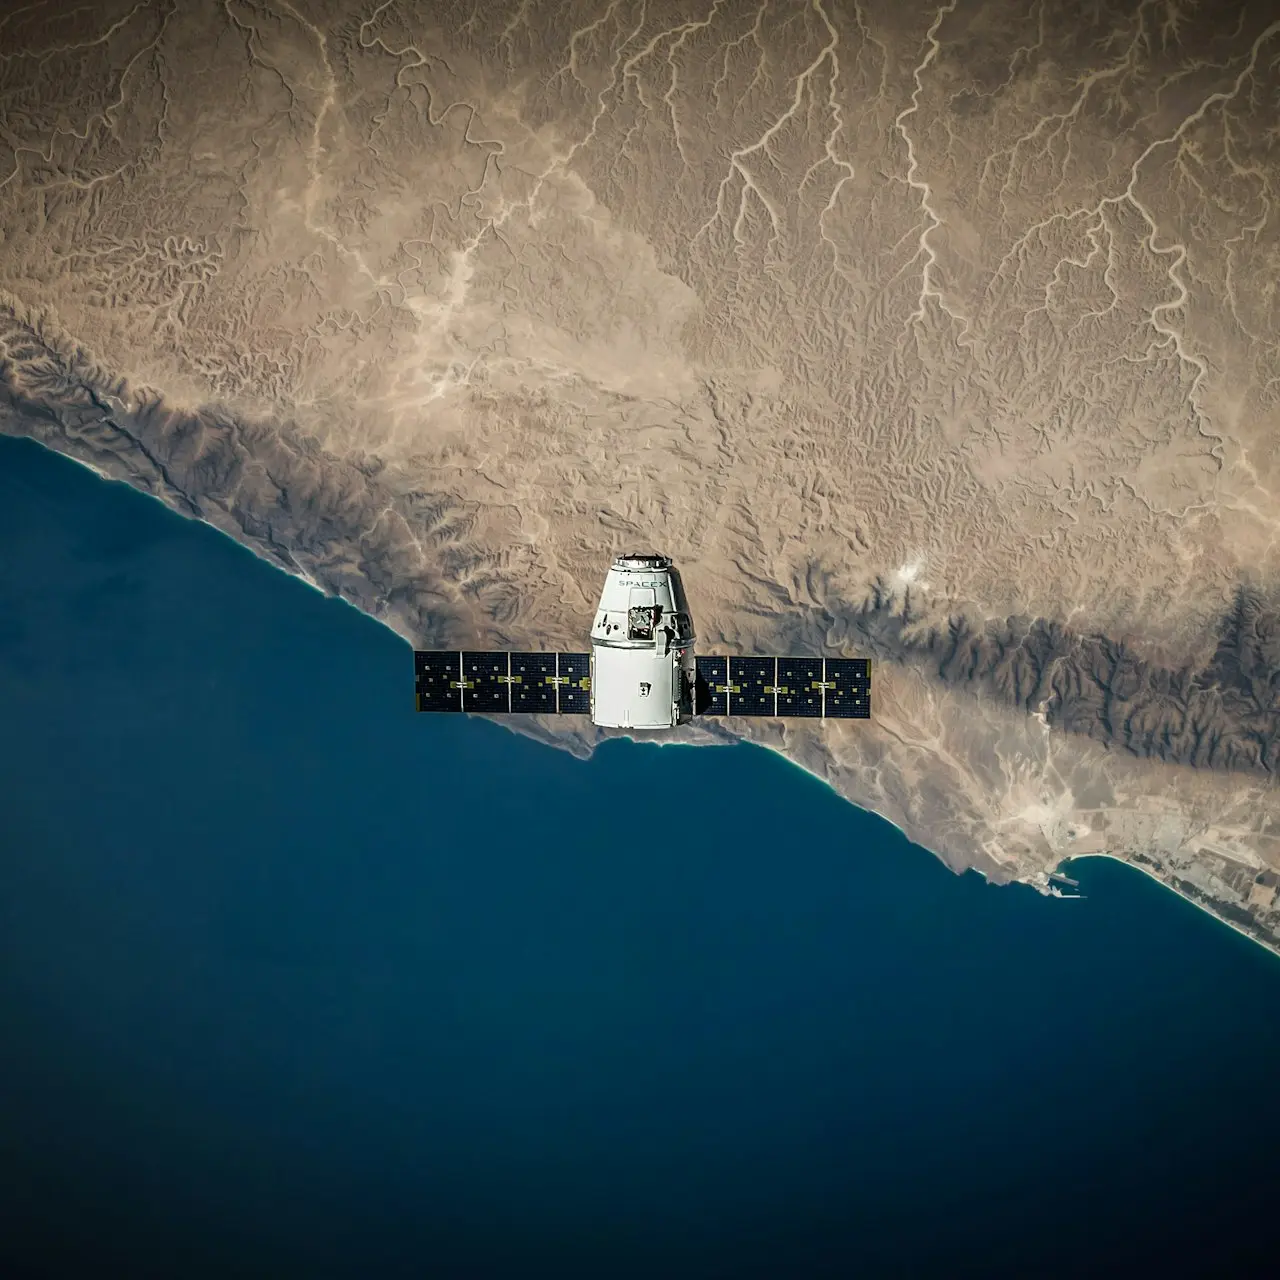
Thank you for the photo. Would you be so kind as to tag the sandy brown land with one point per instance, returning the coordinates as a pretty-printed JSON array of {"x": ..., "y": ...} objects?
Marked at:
[{"x": 949, "y": 335}]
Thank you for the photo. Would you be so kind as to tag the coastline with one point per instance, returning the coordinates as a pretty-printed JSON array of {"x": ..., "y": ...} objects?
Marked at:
[
  {"x": 1173, "y": 887},
  {"x": 1036, "y": 879},
  {"x": 765, "y": 746},
  {"x": 199, "y": 519}
]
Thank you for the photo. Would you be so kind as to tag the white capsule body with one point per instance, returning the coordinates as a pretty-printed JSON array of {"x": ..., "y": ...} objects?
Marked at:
[{"x": 642, "y": 665}]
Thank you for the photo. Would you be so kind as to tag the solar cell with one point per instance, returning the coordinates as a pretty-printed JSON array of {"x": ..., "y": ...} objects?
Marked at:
[
  {"x": 484, "y": 688},
  {"x": 800, "y": 686},
  {"x": 751, "y": 685},
  {"x": 533, "y": 687},
  {"x": 848, "y": 689},
  {"x": 575, "y": 684},
  {"x": 436, "y": 680},
  {"x": 710, "y": 688}
]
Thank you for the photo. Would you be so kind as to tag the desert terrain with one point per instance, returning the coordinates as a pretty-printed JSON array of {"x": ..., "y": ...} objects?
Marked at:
[{"x": 949, "y": 335}]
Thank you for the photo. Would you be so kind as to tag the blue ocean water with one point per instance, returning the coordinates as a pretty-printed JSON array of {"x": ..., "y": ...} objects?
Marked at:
[{"x": 296, "y": 982}]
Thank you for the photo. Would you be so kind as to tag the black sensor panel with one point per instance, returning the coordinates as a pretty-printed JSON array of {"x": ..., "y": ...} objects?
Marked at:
[
  {"x": 533, "y": 690},
  {"x": 751, "y": 685},
  {"x": 484, "y": 689},
  {"x": 711, "y": 686},
  {"x": 575, "y": 684},
  {"x": 436, "y": 681},
  {"x": 848, "y": 688},
  {"x": 799, "y": 687}
]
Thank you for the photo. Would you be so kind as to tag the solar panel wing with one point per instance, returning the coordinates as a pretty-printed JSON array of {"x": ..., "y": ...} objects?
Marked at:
[
  {"x": 533, "y": 689},
  {"x": 711, "y": 686},
  {"x": 751, "y": 686},
  {"x": 436, "y": 679},
  {"x": 800, "y": 687},
  {"x": 848, "y": 689},
  {"x": 484, "y": 688},
  {"x": 575, "y": 684}
]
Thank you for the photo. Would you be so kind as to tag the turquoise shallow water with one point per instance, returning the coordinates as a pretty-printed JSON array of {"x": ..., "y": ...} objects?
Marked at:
[{"x": 293, "y": 981}]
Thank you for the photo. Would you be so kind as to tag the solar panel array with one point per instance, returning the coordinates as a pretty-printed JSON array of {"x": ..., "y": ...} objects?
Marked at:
[
  {"x": 820, "y": 688},
  {"x": 501, "y": 683}
]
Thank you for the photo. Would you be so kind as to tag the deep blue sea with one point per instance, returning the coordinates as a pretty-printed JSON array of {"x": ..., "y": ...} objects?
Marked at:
[{"x": 296, "y": 982}]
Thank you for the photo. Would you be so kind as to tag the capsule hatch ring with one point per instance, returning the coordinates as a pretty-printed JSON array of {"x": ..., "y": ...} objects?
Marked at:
[{"x": 642, "y": 560}]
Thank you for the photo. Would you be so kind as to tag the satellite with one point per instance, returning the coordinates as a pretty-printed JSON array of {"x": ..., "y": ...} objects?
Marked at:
[{"x": 642, "y": 672}]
